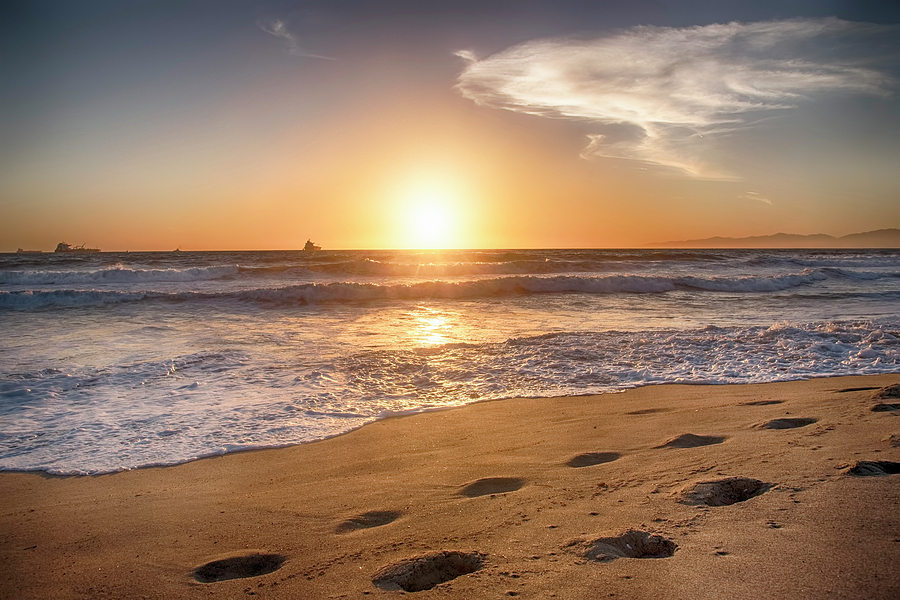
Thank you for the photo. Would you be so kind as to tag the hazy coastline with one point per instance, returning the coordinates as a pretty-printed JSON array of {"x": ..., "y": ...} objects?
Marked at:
[{"x": 881, "y": 238}]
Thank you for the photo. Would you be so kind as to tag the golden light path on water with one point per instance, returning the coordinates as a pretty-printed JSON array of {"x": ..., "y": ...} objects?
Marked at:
[{"x": 433, "y": 327}]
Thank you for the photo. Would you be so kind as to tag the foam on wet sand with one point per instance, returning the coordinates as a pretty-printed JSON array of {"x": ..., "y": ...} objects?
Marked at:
[{"x": 483, "y": 501}]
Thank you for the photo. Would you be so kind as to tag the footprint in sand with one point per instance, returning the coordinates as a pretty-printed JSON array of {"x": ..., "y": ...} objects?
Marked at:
[
  {"x": 630, "y": 544},
  {"x": 874, "y": 468},
  {"x": 367, "y": 520},
  {"x": 788, "y": 423},
  {"x": 590, "y": 459},
  {"x": 423, "y": 572},
  {"x": 491, "y": 485},
  {"x": 239, "y": 567},
  {"x": 648, "y": 411},
  {"x": 723, "y": 492},
  {"x": 689, "y": 440},
  {"x": 886, "y": 393}
]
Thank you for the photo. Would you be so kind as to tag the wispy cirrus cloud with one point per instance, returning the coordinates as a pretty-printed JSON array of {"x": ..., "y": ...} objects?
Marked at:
[
  {"x": 655, "y": 92},
  {"x": 280, "y": 30},
  {"x": 756, "y": 197}
]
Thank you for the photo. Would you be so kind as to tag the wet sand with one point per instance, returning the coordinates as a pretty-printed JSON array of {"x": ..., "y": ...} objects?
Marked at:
[{"x": 785, "y": 490}]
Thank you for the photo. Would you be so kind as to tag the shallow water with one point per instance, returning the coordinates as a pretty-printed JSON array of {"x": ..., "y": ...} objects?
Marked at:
[{"x": 115, "y": 361}]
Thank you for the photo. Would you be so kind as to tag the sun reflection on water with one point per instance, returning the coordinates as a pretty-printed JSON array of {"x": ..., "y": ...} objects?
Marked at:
[{"x": 433, "y": 327}]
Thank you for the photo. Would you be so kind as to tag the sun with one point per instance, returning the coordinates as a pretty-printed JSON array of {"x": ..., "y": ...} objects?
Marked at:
[{"x": 430, "y": 219}]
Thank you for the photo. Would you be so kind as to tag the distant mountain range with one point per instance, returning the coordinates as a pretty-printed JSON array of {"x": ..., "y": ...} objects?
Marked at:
[{"x": 882, "y": 238}]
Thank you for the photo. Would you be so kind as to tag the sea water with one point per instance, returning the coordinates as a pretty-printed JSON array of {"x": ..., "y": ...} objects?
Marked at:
[{"x": 116, "y": 361}]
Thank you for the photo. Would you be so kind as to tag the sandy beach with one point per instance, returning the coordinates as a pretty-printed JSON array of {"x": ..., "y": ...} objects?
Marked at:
[{"x": 783, "y": 490}]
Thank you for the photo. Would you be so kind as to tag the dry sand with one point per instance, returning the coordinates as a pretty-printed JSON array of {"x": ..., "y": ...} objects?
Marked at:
[{"x": 615, "y": 496}]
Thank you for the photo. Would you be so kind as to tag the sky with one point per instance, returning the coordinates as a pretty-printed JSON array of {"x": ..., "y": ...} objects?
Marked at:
[{"x": 229, "y": 125}]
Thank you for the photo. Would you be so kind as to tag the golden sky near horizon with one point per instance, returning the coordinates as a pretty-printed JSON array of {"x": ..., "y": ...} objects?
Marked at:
[{"x": 156, "y": 127}]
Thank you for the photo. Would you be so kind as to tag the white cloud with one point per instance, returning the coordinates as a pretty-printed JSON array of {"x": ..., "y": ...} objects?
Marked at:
[
  {"x": 279, "y": 30},
  {"x": 755, "y": 197},
  {"x": 656, "y": 92}
]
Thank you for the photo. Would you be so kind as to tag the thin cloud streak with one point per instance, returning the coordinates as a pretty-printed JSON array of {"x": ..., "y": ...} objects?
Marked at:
[
  {"x": 755, "y": 197},
  {"x": 279, "y": 30},
  {"x": 656, "y": 92}
]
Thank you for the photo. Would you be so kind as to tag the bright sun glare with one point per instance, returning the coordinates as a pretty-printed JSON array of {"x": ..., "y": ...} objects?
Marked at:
[{"x": 430, "y": 220}]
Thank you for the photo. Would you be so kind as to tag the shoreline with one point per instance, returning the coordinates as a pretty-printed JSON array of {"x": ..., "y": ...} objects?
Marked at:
[
  {"x": 418, "y": 411},
  {"x": 522, "y": 487}
]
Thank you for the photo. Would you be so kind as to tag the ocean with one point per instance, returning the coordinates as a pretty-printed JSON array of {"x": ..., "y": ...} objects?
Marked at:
[{"x": 116, "y": 361}]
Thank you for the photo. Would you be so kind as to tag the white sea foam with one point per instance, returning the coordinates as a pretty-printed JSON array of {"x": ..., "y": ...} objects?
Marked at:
[{"x": 203, "y": 404}]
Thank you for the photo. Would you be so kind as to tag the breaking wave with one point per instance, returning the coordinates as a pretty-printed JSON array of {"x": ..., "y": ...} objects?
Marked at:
[
  {"x": 116, "y": 274},
  {"x": 343, "y": 292}
]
